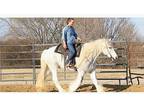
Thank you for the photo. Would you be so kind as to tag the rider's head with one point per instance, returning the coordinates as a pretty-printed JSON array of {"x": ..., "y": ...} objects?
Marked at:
[{"x": 70, "y": 21}]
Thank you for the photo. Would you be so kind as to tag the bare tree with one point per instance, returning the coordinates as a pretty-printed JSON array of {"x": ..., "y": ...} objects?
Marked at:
[
  {"x": 49, "y": 30},
  {"x": 117, "y": 28},
  {"x": 40, "y": 30}
]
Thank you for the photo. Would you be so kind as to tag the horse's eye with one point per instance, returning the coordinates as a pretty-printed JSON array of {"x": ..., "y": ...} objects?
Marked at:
[{"x": 110, "y": 47}]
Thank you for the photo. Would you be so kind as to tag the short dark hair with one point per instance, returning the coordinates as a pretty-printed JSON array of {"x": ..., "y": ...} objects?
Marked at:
[{"x": 69, "y": 19}]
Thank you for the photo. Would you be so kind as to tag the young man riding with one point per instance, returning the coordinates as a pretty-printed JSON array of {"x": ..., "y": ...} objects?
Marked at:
[{"x": 69, "y": 39}]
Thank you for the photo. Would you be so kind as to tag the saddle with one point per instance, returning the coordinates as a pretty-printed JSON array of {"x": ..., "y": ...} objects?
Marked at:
[{"x": 59, "y": 49}]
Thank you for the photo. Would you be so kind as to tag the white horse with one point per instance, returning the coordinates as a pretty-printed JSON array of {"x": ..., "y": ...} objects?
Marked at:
[{"x": 86, "y": 62}]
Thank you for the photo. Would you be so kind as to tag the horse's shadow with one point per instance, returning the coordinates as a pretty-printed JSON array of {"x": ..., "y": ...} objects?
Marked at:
[
  {"x": 107, "y": 88},
  {"x": 116, "y": 88},
  {"x": 53, "y": 91}
]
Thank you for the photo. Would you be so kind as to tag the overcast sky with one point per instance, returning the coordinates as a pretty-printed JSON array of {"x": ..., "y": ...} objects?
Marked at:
[
  {"x": 139, "y": 22},
  {"x": 3, "y": 28}
]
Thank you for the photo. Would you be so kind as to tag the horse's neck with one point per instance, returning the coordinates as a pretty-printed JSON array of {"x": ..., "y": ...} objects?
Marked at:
[{"x": 89, "y": 52}]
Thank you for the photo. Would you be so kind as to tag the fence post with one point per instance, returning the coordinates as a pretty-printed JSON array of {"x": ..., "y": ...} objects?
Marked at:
[
  {"x": 33, "y": 63},
  {"x": 0, "y": 65},
  {"x": 64, "y": 65}
]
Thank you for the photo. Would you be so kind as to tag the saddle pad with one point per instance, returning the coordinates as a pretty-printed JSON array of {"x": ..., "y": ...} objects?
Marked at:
[{"x": 61, "y": 50}]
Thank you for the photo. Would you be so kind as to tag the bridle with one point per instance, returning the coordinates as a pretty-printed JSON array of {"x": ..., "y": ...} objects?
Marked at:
[{"x": 109, "y": 53}]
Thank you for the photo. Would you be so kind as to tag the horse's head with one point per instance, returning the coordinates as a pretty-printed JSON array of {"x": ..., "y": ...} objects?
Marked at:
[{"x": 108, "y": 49}]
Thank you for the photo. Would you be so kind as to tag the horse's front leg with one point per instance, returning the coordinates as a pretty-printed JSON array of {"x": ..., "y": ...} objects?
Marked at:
[
  {"x": 77, "y": 82},
  {"x": 95, "y": 82}
]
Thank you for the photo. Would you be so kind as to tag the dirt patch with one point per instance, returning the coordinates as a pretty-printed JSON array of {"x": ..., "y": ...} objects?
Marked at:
[{"x": 83, "y": 88}]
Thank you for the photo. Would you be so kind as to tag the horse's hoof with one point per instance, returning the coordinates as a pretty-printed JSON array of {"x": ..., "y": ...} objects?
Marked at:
[
  {"x": 63, "y": 91},
  {"x": 100, "y": 90},
  {"x": 71, "y": 90}
]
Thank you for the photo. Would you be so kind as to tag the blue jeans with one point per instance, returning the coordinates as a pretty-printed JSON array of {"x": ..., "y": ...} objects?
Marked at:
[{"x": 71, "y": 54}]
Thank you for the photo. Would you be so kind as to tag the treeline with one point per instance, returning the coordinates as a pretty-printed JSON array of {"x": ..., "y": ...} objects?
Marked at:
[{"x": 49, "y": 30}]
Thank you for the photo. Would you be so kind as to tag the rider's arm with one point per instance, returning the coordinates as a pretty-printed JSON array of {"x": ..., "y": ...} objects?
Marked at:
[
  {"x": 63, "y": 35},
  {"x": 64, "y": 39}
]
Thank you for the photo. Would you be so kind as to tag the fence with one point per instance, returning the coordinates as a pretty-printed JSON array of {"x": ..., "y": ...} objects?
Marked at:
[
  {"x": 119, "y": 67},
  {"x": 10, "y": 62},
  {"x": 30, "y": 54},
  {"x": 136, "y": 61}
]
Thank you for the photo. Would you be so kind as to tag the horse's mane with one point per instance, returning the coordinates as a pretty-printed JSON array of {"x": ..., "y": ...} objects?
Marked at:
[
  {"x": 97, "y": 42},
  {"x": 94, "y": 45},
  {"x": 91, "y": 49}
]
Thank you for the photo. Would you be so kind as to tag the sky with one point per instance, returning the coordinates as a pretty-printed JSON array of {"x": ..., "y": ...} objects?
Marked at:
[
  {"x": 4, "y": 28},
  {"x": 138, "y": 21}
]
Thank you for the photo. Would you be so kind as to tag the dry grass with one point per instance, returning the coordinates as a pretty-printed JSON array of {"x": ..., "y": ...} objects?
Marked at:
[{"x": 83, "y": 88}]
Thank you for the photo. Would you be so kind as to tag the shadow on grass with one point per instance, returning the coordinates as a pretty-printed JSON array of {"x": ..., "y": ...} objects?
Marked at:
[
  {"x": 107, "y": 88},
  {"x": 116, "y": 88},
  {"x": 53, "y": 91}
]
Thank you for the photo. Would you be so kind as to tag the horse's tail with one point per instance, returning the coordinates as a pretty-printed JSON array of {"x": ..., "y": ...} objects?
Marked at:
[{"x": 42, "y": 74}]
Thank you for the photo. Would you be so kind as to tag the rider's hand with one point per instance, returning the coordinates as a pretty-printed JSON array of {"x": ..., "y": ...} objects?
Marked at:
[
  {"x": 78, "y": 40},
  {"x": 64, "y": 45}
]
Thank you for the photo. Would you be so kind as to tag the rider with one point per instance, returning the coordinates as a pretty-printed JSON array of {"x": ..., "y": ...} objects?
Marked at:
[{"x": 69, "y": 38}]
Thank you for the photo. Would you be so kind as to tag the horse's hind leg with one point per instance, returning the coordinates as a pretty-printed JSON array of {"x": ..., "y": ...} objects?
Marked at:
[
  {"x": 55, "y": 79},
  {"x": 77, "y": 82},
  {"x": 94, "y": 80},
  {"x": 40, "y": 83}
]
